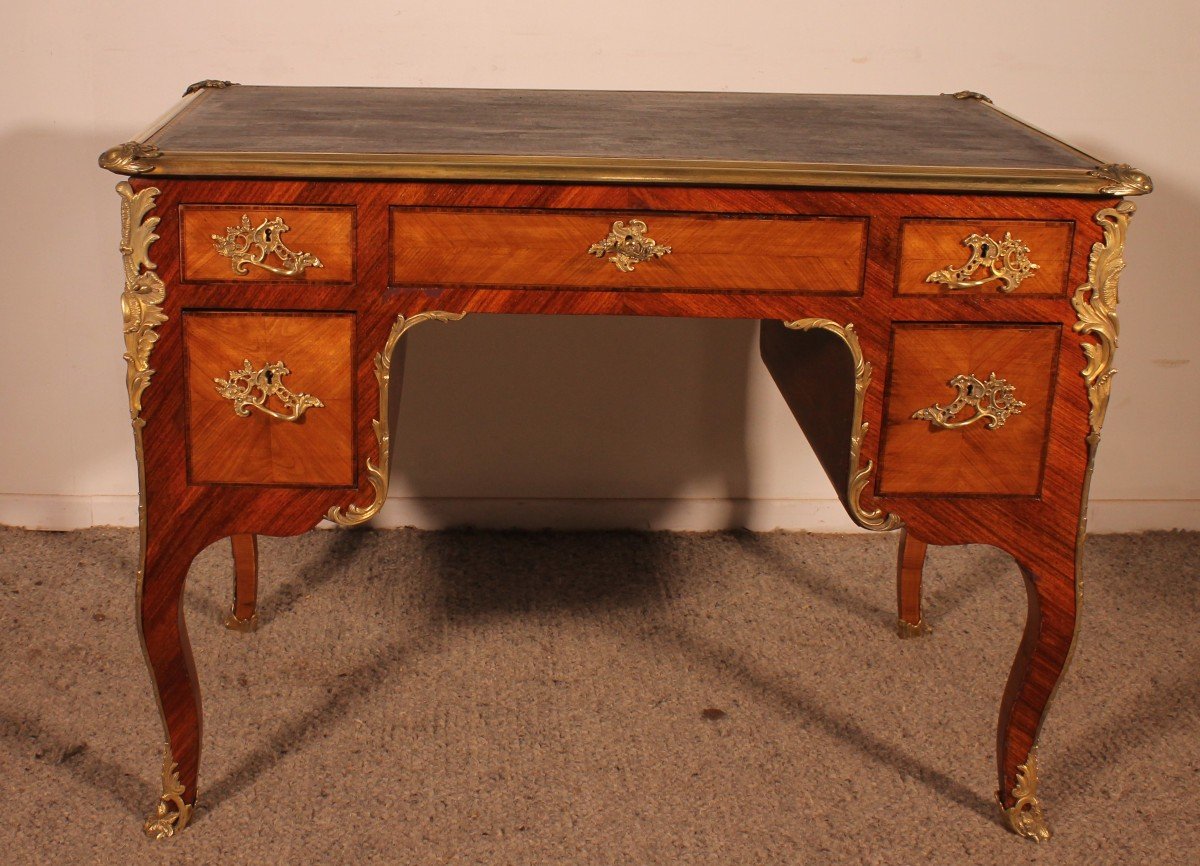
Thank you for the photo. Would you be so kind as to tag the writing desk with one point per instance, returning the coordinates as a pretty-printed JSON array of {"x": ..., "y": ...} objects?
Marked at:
[{"x": 936, "y": 281}]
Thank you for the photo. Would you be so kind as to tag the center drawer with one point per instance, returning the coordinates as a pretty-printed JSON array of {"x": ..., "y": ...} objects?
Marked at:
[{"x": 627, "y": 250}]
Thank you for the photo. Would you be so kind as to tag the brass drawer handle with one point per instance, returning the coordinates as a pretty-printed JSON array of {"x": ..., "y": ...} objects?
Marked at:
[
  {"x": 242, "y": 384},
  {"x": 1008, "y": 261},
  {"x": 993, "y": 400},
  {"x": 238, "y": 240},
  {"x": 629, "y": 245}
]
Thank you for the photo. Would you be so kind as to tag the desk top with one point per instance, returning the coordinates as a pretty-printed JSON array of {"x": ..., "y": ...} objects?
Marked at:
[{"x": 948, "y": 142}]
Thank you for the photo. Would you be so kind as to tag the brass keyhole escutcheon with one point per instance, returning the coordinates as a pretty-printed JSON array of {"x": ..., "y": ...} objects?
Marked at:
[
  {"x": 629, "y": 245},
  {"x": 250, "y": 389}
]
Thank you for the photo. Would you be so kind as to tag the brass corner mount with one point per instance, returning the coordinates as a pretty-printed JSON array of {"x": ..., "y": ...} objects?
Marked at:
[
  {"x": 208, "y": 84},
  {"x": 1123, "y": 179},
  {"x": 132, "y": 157},
  {"x": 970, "y": 94}
]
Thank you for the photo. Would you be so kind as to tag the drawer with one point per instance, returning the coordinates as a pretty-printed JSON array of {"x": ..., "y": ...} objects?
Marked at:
[
  {"x": 266, "y": 243},
  {"x": 589, "y": 250},
  {"x": 941, "y": 377},
  {"x": 983, "y": 257},
  {"x": 269, "y": 398}
]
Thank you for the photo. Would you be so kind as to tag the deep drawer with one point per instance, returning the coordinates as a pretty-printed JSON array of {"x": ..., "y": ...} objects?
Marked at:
[
  {"x": 968, "y": 409},
  {"x": 270, "y": 398},
  {"x": 820, "y": 255}
]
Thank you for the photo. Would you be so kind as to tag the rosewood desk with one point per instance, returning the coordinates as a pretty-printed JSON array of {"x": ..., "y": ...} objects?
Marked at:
[{"x": 936, "y": 281}]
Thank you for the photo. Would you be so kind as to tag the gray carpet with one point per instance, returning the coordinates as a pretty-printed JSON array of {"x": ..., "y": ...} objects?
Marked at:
[{"x": 595, "y": 698}]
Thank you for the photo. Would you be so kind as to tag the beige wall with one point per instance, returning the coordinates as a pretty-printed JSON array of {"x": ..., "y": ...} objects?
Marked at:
[{"x": 576, "y": 422}]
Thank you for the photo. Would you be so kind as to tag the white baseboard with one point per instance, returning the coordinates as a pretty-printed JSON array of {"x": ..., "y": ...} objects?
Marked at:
[{"x": 60, "y": 513}]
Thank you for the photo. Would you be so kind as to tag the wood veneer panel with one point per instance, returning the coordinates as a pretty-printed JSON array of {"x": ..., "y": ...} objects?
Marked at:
[
  {"x": 709, "y": 252},
  {"x": 933, "y": 245},
  {"x": 326, "y": 232},
  {"x": 226, "y": 448},
  {"x": 919, "y": 458}
]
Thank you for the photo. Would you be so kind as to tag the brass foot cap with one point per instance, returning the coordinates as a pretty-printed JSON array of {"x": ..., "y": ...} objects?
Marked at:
[
  {"x": 173, "y": 813},
  {"x": 906, "y": 629},
  {"x": 1024, "y": 817},
  {"x": 167, "y": 820},
  {"x": 234, "y": 624}
]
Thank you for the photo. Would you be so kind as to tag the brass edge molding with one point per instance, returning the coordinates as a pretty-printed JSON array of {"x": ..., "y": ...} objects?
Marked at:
[
  {"x": 859, "y": 475},
  {"x": 970, "y": 94},
  {"x": 132, "y": 157},
  {"x": 629, "y": 245},
  {"x": 907, "y": 630},
  {"x": 1025, "y": 816},
  {"x": 1095, "y": 304},
  {"x": 172, "y": 814},
  {"x": 1123, "y": 179},
  {"x": 377, "y": 473},
  {"x": 443, "y": 166},
  {"x": 208, "y": 84}
]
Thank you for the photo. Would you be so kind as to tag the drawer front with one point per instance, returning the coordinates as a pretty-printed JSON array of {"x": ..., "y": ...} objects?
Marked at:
[
  {"x": 270, "y": 398},
  {"x": 266, "y": 243},
  {"x": 968, "y": 409},
  {"x": 587, "y": 251},
  {"x": 997, "y": 258}
]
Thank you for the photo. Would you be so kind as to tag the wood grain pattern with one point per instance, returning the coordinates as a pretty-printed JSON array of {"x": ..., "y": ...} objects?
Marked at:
[
  {"x": 910, "y": 565},
  {"x": 183, "y": 517},
  {"x": 326, "y": 232},
  {"x": 245, "y": 576},
  {"x": 709, "y": 252},
  {"x": 933, "y": 245},
  {"x": 226, "y": 448},
  {"x": 920, "y": 458}
]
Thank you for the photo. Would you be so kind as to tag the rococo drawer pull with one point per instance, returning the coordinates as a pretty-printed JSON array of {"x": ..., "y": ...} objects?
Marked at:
[
  {"x": 993, "y": 400},
  {"x": 238, "y": 240},
  {"x": 628, "y": 245},
  {"x": 242, "y": 385},
  {"x": 1008, "y": 261}
]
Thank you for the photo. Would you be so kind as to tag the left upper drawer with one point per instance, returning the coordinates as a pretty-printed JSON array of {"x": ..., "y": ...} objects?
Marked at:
[{"x": 266, "y": 243}]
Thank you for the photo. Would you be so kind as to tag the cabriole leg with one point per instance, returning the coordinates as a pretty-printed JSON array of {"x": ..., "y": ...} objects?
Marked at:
[
  {"x": 243, "y": 615},
  {"x": 173, "y": 674},
  {"x": 1041, "y": 660},
  {"x": 909, "y": 566}
]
